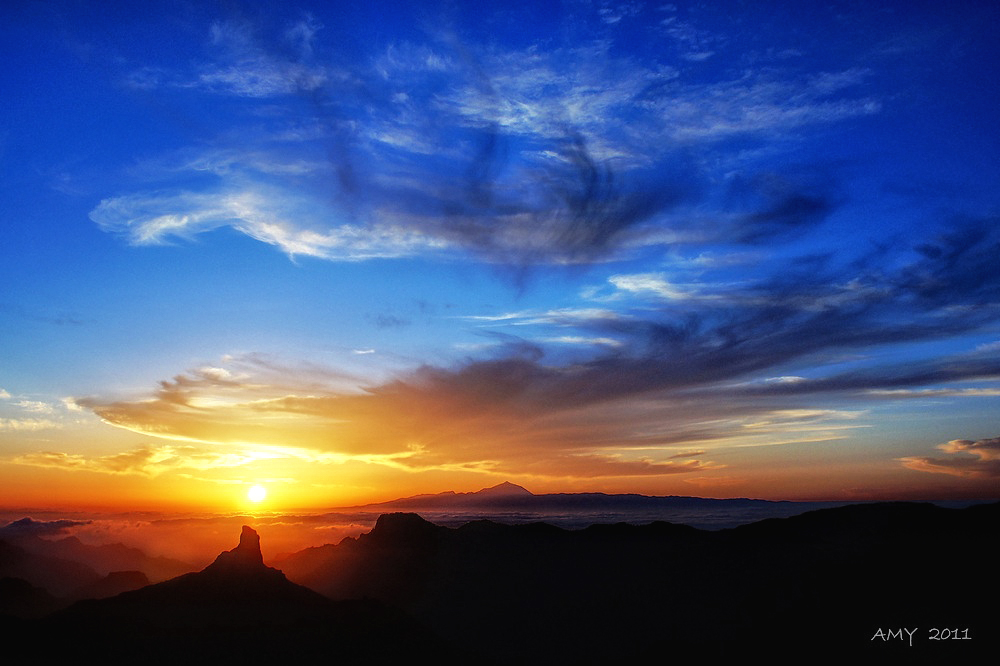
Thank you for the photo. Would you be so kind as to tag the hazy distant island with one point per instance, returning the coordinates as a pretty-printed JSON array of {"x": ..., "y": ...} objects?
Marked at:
[
  {"x": 510, "y": 503},
  {"x": 843, "y": 581}
]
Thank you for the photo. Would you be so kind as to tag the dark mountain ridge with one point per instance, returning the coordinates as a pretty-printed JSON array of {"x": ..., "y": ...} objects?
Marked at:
[
  {"x": 235, "y": 610},
  {"x": 824, "y": 580},
  {"x": 832, "y": 581}
]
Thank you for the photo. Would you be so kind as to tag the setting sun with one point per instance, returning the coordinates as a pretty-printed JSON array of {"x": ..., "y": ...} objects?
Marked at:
[{"x": 256, "y": 493}]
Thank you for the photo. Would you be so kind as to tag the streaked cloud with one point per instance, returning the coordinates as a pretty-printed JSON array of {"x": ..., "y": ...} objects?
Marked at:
[
  {"x": 275, "y": 219},
  {"x": 168, "y": 458},
  {"x": 513, "y": 155},
  {"x": 652, "y": 283},
  {"x": 29, "y": 424},
  {"x": 976, "y": 459},
  {"x": 641, "y": 381},
  {"x": 557, "y": 317},
  {"x": 579, "y": 340}
]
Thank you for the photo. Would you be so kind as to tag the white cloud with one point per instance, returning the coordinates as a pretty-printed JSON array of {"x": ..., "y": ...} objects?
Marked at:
[
  {"x": 70, "y": 404},
  {"x": 268, "y": 214},
  {"x": 580, "y": 340},
  {"x": 788, "y": 379},
  {"x": 651, "y": 283},
  {"x": 559, "y": 317},
  {"x": 28, "y": 425},
  {"x": 35, "y": 406}
]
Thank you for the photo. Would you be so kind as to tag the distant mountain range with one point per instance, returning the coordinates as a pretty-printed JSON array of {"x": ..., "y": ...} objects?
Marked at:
[
  {"x": 510, "y": 495},
  {"x": 513, "y": 503},
  {"x": 40, "y": 575},
  {"x": 104, "y": 559}
]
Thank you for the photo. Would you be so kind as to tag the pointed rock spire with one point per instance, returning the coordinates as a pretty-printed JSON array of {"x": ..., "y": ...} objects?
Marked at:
[
  {"x": 245, "y": 557},
  {"x": 249, "y": 548}
]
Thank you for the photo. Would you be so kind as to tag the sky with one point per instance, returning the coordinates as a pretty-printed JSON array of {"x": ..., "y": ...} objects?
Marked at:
[{"x": 356, "y": 251}]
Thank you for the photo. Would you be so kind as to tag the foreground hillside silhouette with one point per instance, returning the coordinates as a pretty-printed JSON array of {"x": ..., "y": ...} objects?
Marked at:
[
  {"x": 236, "y": 610},
  {"x": 841, "y": 582},
  {"x": 824, "y": 581}
]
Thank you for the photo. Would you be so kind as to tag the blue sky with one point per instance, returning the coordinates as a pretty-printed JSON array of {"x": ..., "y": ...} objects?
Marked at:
[{"x": 677, "y": 248}]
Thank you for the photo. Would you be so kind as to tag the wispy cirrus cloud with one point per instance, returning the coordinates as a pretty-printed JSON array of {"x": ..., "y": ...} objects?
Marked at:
[
  {"x": 517, "y": 156},
  {"x": 275, "y": 219}
]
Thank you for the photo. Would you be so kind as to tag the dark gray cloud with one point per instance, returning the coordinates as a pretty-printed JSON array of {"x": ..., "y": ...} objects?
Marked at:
[
  {"x": 779, "y": 206},
  {"x": 572, "y": 208},
  {"x": 790, "y": 317}
]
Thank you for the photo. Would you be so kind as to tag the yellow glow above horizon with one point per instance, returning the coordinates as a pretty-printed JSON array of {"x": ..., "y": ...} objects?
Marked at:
[{"x": 256, "y": 493}]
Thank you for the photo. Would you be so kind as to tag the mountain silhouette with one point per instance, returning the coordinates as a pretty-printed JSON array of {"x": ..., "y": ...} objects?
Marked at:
[
  {"x": 505, "y": 489},
  {"x": 111, "y": 557},
  {"x": 577, "y": 510},
  {"x": 824, "y": 581},
  {"x": 59, "y": 577},
  {"x": 113, "y": 584},
  {"x": 499, "y": 494},
  {"x": 831, "y": 582},
  {"x": 102, "y": 560},
  {"x": 21, "y": 599},
  {"x": 236, "y": 609}
]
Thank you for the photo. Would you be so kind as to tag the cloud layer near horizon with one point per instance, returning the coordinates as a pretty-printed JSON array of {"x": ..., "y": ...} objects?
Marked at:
[{"x": 781, "y": 360}]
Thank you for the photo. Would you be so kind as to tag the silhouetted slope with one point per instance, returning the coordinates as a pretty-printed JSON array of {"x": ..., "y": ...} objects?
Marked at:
[
  {"x": 823, "y": 582},
  {"x": 118, "y": 557},
  {"x": 103, "y": 559},
  {"x": 237, "y": 609},
  {"x": 56, "y": 575},
  {"x": 19, "y": 598},
  {"x": 113, "y": 584},
  {"x": 892, "y": 564}
]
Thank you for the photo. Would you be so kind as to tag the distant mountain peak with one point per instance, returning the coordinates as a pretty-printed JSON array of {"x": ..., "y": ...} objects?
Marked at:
[
  {"x": 245, "y": 557},
  {"x": 506, "y": 488}
]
